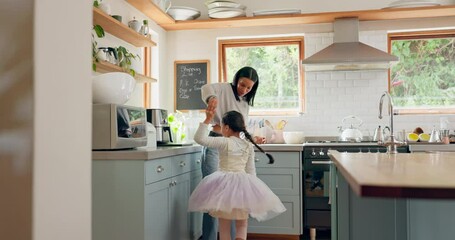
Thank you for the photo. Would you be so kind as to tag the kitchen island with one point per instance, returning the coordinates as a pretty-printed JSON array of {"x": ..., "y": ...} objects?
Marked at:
[{"x": 393, "y": 196}]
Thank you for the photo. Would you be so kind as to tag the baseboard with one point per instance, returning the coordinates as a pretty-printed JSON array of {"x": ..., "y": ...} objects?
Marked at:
[{"x": 256, "y": 236}]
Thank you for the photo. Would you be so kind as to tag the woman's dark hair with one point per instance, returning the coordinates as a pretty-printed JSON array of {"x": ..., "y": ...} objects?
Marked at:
[
  {"x": 250, "y": 73},
  {"x": 235, "y": 121}
]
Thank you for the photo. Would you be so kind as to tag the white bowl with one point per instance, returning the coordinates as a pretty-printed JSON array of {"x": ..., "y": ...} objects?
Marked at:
[
  {"x": 294, "y": 137},
  {"x": 183, "y": 13},
  {"x": 114, "y": 87}
]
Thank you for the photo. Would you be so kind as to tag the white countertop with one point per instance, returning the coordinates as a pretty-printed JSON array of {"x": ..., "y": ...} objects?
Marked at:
[
  {"x": 428, "y": 147},
  {"x": 282, "y": 147},
  {"x": 408, "y": 175},
  {"x": 144, "y": 153}
]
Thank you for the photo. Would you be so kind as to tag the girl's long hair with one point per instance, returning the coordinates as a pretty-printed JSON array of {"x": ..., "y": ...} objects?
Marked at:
[
  {"x": 235, "y": 121},
  {"x": 250, "y": 73}
]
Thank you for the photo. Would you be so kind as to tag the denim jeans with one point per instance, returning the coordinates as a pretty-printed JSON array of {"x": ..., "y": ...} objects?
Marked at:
[{"x": 209, "y": 164}]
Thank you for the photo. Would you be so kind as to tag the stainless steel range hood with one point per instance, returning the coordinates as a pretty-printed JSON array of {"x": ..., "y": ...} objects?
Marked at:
[{"x": 347, "y": 53}]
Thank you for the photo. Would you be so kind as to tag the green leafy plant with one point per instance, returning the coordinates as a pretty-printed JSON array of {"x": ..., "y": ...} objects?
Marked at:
[
  {"x": 99, "y": 31},
  {"x": 96, "y": 3},
  {"x": 125, "y": 57}
]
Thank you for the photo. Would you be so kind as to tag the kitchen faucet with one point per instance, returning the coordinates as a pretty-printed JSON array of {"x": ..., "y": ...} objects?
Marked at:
[{"x": 392, "y": 144}]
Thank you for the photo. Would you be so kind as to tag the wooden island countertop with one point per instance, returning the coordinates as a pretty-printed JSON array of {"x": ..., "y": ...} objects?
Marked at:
[{"x": 402, "y": 175}]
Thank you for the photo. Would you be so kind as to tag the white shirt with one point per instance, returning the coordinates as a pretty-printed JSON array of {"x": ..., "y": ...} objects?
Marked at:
[
  {"x": 226, "y": 100},
  {"x": 236, "y": 155}
]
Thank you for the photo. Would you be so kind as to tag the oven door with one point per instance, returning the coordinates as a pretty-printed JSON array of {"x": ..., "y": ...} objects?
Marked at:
[{"x": 317, "y": 191}]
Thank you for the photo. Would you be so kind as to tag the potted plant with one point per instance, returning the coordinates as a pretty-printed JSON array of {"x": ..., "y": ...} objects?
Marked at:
[
  {"x": 99, "y": 31},
  {"x": 124, "y": 59}
]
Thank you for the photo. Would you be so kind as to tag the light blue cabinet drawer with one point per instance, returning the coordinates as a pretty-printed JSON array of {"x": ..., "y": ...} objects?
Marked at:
[
  {"x": 195, "y": 161},
  {"x": 285, "y": 223},
  {"x": 281, "y": 180},
  {"x": 156, "y": 170},
  {"x": 181, "y": 164},
  {"x": 282, "y": 159},
  {"x": 186, "y": 163}
]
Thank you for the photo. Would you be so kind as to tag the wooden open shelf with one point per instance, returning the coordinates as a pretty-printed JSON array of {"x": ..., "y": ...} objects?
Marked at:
[
  {"x": 104, "y": 67},
  {"x": 152, "y": 11},
  {"x": 120, "y": 30},
  {"x": 169, "y": 24}
]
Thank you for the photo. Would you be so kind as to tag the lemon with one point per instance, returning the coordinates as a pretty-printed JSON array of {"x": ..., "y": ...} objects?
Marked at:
[
  {"x": 280, "y": 125},
  {"x": 424, "y": 137},
  {"x": 412, "y": 137}
]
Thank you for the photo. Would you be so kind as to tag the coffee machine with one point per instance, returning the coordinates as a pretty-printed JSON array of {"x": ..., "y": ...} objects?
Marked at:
[{"x": 158, "y": 117}]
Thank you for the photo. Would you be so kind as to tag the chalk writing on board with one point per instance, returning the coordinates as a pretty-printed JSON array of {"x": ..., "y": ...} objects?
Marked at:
[{"x": 189, "y": 79}]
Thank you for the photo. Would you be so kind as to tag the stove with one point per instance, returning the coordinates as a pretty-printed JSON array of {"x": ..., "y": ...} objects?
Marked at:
[{"x": 316, "y": 182}]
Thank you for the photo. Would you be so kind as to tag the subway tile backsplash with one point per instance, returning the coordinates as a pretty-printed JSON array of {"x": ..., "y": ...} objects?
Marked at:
[{"x": 331, "y": 96}]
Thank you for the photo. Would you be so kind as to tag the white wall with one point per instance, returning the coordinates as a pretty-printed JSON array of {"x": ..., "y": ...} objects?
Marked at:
[
  {"x": 61, "y": 120},
  {"x": 329, "y": 96}
]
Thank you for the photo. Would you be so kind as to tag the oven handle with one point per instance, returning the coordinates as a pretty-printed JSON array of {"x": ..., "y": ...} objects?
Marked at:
[{"x": 321, "y": 162}]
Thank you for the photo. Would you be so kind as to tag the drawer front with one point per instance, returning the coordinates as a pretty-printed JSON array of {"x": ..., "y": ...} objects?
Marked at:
[
  {"x": 288, "y": 223},
  {"x": 282, "y": 181},
  {"x": 181, "y": 164},
  {"x": 282, "y": 159},
  {"x": 195, "y": 163},
  {"x": 159, "y": 169}
]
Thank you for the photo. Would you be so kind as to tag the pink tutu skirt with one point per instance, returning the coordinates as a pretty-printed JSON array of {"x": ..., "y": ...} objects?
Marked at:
[{"x": 232, "y": 192}]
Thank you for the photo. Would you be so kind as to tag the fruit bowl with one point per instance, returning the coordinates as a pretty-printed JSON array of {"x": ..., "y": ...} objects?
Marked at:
[
  {"x": 294, "y": 137},
  {"x": 113, "y": 87}
]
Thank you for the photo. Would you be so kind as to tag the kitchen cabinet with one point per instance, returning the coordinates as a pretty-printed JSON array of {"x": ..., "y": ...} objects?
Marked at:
[
  {"x": 284, "y": 179},
  {"x": 355, "y": 217},
  {"x": 124, "y": 33},
  {"x": 358, "y": 218},
  {"x": 166, "y": 22},
  {"x": 139, "y": 200}
]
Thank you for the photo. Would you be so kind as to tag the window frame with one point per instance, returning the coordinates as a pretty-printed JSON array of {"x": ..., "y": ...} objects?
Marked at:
[
  {"x": 411, "y": 35},
  {"x": 261, "y": 42}
]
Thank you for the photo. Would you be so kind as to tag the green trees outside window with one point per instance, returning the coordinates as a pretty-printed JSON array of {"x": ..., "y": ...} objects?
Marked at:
[
  {"x": 424, "y": 78},
  {"x": 279, "y": 73}
]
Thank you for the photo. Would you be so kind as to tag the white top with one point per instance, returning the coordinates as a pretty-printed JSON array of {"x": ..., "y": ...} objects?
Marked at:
[
  {"x": 226, "y": 100},
  {"x": 236, "y": 155}
]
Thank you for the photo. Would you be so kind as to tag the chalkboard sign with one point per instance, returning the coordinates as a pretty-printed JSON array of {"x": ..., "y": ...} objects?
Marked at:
[{"x": 190, "y": 76}]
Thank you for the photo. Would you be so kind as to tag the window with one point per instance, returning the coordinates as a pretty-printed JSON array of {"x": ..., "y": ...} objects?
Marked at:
[
  {"x": 423, "y": 82},
  {"x": 277, "y": 61}
]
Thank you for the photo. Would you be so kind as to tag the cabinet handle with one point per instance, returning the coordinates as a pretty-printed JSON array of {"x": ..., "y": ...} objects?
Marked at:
[
  {"x": 174, "y": 182},
  {"x": 198, "y": 161},
  {"x": 256, "y": 159},
  {"x": 321, "y": 162},
  {"x": 159, "y": 169},
  {"x": 182, "y": 164},
  {"x": 171, "y": 184}
]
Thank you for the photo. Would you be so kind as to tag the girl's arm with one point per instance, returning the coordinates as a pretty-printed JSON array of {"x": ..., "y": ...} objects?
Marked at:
[
  {"x": 202, "y": 138},
  {"x": 201, "y": 135}
]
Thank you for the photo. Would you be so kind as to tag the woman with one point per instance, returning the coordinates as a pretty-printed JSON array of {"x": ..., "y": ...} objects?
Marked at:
[{"x": 239, "y": 96}]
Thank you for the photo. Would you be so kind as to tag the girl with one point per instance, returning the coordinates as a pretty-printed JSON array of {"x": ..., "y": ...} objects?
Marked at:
[
  {"x": 233, "y": 192},
  {"x": 239, "y": 96}
]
